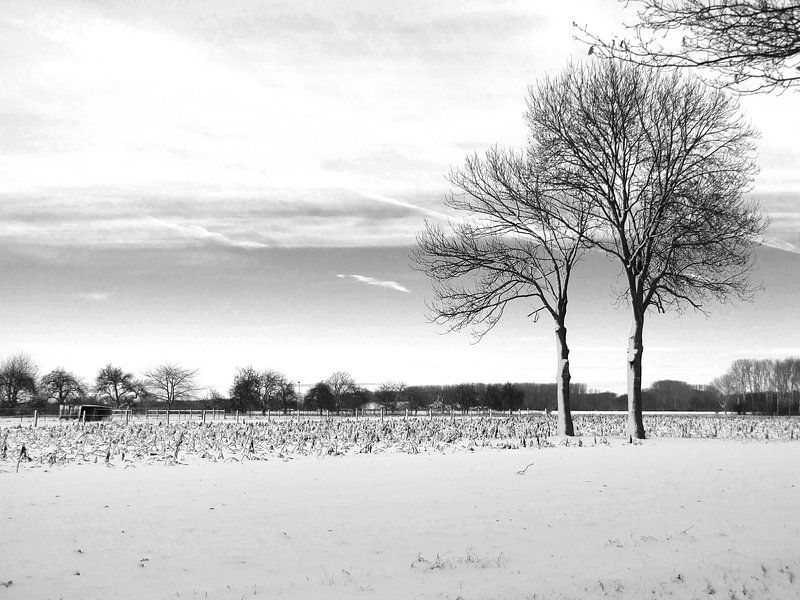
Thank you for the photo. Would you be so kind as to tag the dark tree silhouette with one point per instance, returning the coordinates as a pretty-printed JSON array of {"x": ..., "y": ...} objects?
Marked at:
[
  {"x": 17, "y": 379},
  {"x": 246, "y": 389},
  {"x": 320, "y": 397},
  {"x": 114, "y": 386},
  {"x": 61, "y": 386},
  {"x": 751, "y": 45}
]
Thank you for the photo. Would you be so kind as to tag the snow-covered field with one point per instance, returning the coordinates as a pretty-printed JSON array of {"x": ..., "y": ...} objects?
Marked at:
[{"x": 682, "y": 518}]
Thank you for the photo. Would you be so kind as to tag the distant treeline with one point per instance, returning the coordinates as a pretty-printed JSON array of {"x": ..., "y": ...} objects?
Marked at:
[
  {"x": 749, "y": 386},
  {"x": 662, "y": 395}
]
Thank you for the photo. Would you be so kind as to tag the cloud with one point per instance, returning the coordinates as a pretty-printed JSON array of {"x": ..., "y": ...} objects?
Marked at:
[
  {"x": 395, "y": 202},
  {"x": 780, "y": 245},
  {"x": 94, "y": 296},
  {"x": 200, "y": 233},
  {"x": 391, "y": 285}
]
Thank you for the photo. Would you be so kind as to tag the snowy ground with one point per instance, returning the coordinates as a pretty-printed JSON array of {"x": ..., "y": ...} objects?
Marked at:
[{"x": 682, "y": 518}]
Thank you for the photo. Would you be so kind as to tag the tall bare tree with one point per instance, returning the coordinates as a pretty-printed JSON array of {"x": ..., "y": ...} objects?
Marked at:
[
  {"x": 520, "y": 239},
  {"x": 751, "y": 45},
  {"x": 664, "y": 162},
  {"x": 17, "y": 379},
  {"x": 170, "y": 382},
  {"x": 61, "y": 386}
]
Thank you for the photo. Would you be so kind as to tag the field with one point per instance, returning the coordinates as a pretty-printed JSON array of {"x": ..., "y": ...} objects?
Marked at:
[{"x": 418, "y": 509}]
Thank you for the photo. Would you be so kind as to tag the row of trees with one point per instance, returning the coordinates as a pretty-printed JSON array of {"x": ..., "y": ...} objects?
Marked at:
[
  {"x": 763, "y": 386},
  {"x": 766, "y": 386},
  {"x": 20, "y": 383}
]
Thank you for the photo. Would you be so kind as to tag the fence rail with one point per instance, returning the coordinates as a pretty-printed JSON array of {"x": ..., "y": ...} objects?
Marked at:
[{"x": 34, "y": 418}]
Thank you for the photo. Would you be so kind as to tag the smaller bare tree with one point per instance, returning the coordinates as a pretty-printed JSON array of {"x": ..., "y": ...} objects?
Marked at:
[
  {"x": 520, "y": 240},
  {"x": 170, "y": 382}
]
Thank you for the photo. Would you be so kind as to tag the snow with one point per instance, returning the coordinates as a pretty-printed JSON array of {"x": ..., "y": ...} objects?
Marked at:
[{"x": 676, "y": 518}]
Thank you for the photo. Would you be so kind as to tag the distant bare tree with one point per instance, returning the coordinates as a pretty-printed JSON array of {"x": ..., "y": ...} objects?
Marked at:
[
  {"x": 520, "y": 240},
  {"x": 782, "y": 383},
  {"x": 170, "y": 382},
  {"x": 273, "y": 389},
  {"x": 287, "y": 396},
  {"x": 61, "y": 386},
  {"x": 752, "y": 45},
  {"x": 664, "y": 162},
  {"x": 17, "y": 379},
  {"x": 794, "y": 383},
  {"x": 116, "y": 387},
  {"x": 727, "y": 386},
  {"x": 340, "y": 384},
  {"x": 246, "y": 389},
  {"x": 390, "y": 394}
]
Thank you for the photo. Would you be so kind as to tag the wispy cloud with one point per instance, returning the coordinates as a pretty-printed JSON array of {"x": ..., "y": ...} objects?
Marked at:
[
  {"x": 391, "y": 285},
  {"x": 396, "y": 202},
  {"x": 94, "y": 296},
  {"x": 200, "y": 233},
  {"x": 780, "y": 245}
]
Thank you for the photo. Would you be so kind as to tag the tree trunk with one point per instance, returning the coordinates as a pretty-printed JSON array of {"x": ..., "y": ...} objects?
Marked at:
[
  {"x": 635, "y": 349},
  {"x": 562, "y": 379}
]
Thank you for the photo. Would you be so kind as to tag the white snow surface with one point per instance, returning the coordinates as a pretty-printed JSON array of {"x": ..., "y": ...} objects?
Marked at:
[{"x": 677, "y": 518}]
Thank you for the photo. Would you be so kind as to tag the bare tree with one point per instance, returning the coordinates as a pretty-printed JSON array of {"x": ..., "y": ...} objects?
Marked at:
[
  {"x": 115, "y": 386},
  {"x": 62, "y": 386},
  {"x": 287, "y": 396},
  {"x": 726, "y": 385},
  {"x": 520, "y": 240},
  {"x": 341, "y": 384},
  {"x": 781, "y": 383},
  {"x": 17, "y": 379},
  {"x": 794, "y": 384},
  {"x": 246, "y": 389},
  {"x": 664, "y": 162},
  {"x": 751, "y": 45},
  {"x": 273, "y": 389},
  {"x": 390, "y": 394},
  {"x": 170, "y": 382}
]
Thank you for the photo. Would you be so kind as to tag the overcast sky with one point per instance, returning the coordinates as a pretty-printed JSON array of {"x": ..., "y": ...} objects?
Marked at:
[{"x": 239, "y": 182}]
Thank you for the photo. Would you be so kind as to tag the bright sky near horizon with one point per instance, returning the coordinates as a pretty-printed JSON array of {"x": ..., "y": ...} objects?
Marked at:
[{"x": 239, "y": 182}]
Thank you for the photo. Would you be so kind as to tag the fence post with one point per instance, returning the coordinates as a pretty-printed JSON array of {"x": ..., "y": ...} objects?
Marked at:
[
  {"x": 204, "y": 417},
  {"x": 381, "y": 414},
  {"x": 35, "y": 418},
  {"x": 237, "y": 416}
]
